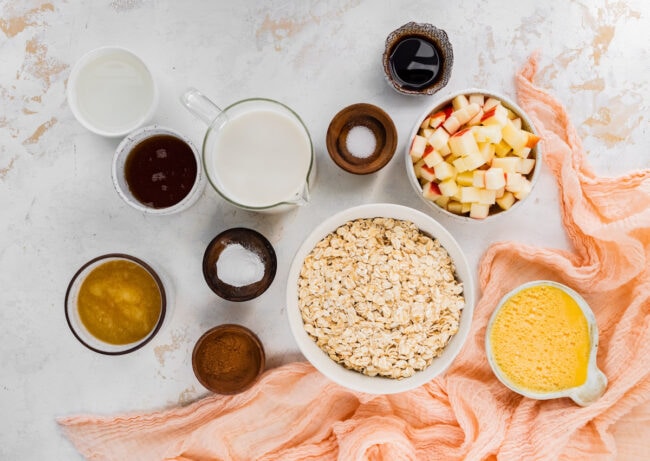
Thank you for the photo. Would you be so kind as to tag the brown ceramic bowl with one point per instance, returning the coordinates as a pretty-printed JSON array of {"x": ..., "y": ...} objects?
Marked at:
[
  {"x": 428, "y": 32},
  {"x": 381, "y": 126},
  {"x": 228, "y": 359},
  {"x": 252, "y": 241}
]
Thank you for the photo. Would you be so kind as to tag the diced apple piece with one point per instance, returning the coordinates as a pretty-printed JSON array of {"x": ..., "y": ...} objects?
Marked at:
[
  {"x": 469, "y": 194},
  {"x": 478, "y": 178},
  {"x": 432, "y": 158},
  {"x": 427, "y": 173},
  {"x": 494, "y": 178},
  {"x": 417, "y": 168},
  {"x": 532, "y": 139},
  {"x": 452, "y": 124},
  {"x": 498, "y": 115},
  {"x": 451, "y": 157},
  {"x": 459, "y": 101},
  {"x": 514, "y": 182},
  {"x": 508, "y": 164},
  {"x": 526, "y": 165},
  {"x": 479, "y": 211},
  {"x": 516, "y": 122},
  {"x": 515, "y": 137},
  {"x": 466, "y": 178},
  {"x": 463, "y": 143},
  {"x": 486, "y": 196},
  {"x": 417, "y": 147},
  {"x": 426, "y": 132},
  {"x": 474, "y": 161},
  {"x": 460, "y": 164},
  {"x": 443, "y": 201},
  {"x": 476, "y": 119},
  {"x": 439, "y": 139},
  {"x": 455, "y": 207},
  {"x": 500, "y": 192},
  {"x": 524, "y": 152},
  {"x": 506, "y": 200},
  {"x": 488, "y": 133},
  {"x": 425, "y": 123},
  {"x": 431, "y": 191},
  {"x": 448, "y": 187},
  {"x": 466, "y": 207},
  {"x": 444, "y": 171},
  {"x": 502, "y": 149},
  {"x": 477, "y": 99},
  {"x": 487, "y": 151},
  {"x": 511, "y": 114},
  {"x": 466, "y": 113},
  {"x": 444, "y": 150},
  {"x": 436, "y": 119},
  {"x": 490, "y": 103},
  {"x": 525, "y": 190}
]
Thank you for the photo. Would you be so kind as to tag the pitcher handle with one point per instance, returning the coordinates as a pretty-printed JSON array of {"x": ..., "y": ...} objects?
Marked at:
[{"x": 199, "y": 105}]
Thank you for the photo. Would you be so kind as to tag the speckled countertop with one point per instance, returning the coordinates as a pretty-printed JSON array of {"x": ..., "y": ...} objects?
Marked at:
[{"x": 58, "y": 207}]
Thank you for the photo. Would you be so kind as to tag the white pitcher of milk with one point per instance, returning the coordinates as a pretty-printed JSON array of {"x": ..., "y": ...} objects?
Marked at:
[{"x": 257, "y": 153}]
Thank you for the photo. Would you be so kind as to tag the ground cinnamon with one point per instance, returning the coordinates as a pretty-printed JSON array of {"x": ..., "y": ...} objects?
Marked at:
[{"x": 228, "y": 359}]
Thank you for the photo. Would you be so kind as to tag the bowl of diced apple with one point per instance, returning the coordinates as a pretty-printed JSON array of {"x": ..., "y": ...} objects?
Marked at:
[{"x": 474, "y": 155}]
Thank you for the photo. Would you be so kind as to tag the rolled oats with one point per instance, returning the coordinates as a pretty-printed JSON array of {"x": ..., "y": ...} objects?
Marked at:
[{"x": 380, "y": 297}]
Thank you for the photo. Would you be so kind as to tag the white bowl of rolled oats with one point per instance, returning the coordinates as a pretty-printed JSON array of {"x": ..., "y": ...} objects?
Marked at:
[{"x": 380, "y": 298}]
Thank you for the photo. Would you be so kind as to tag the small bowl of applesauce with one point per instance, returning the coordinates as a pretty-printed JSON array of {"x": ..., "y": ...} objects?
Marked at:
[
  {"x": 541, "y": 342},
  {"x": 115, "y": 304}
]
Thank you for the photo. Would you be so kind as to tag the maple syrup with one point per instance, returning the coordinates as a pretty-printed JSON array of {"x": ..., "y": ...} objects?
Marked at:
[
  {"x": 415, "y": 63},
  {"x": 160, "y": 171}
]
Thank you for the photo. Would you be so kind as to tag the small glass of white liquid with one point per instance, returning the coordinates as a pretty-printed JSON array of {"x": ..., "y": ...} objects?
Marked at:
[{"x": 111, "y": 91}]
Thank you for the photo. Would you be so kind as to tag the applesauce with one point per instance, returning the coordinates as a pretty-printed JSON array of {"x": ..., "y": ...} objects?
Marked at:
[{"x": 119, "y": 302}]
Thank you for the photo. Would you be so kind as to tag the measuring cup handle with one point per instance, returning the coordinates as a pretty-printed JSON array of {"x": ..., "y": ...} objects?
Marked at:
[
  {"x": 204, "y": 109},
  {"x": 592, "y": 390}
]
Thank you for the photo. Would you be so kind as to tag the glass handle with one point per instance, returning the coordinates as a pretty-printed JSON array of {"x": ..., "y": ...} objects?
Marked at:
[{"x": 204, "y": 109}]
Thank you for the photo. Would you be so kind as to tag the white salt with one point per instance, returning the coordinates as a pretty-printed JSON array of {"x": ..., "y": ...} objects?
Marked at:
[
  {"x": 238, "y": 266},
  {"x": 361, "y": 141}
]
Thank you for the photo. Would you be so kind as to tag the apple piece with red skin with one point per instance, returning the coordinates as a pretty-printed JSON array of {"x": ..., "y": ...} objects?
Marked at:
[
  {"x": 431, "y": 190},
  {"x": 418, "y": 145},
  {"x": 435, "y": 120}
]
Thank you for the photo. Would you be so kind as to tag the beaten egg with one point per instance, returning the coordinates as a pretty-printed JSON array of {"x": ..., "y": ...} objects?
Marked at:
[{"x": 540, "y": 340}]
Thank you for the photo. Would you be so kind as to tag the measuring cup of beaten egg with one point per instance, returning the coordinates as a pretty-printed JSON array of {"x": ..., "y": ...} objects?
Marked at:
[{"x": 541, "y": 342}]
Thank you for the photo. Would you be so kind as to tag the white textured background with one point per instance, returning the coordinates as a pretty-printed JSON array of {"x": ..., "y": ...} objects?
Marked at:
[{"x": 58, "y": 208}]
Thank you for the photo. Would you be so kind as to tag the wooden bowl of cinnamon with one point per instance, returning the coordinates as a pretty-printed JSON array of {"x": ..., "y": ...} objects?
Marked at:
[{"x": 228, "y": 359}]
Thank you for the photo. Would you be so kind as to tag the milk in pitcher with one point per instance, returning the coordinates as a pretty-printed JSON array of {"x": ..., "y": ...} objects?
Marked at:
[{"x": 261, "y": 158}]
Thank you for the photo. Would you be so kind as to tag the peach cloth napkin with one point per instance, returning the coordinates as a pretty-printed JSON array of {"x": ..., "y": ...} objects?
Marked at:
[{"x": 294, "y": 413}]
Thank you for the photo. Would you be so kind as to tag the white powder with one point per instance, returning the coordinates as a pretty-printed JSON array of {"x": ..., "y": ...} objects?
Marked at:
[
  {"x": 361, "y": 141},
  {"x": 237, "y": 266}
]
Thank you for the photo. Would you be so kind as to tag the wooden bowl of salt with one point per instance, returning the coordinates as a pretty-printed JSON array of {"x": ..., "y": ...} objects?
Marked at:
[
  {"x": 239, "y": 264},
  {"x": 361, "y": 138}
]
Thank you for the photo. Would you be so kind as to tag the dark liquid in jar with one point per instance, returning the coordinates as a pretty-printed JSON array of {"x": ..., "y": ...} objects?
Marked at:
[
  {"x": 160, "y": 171},
  {"x": 414, "y": 63}
]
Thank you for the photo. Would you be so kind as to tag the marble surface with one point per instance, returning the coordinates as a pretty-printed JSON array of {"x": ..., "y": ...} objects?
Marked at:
[{"x": 59, "y": 209}]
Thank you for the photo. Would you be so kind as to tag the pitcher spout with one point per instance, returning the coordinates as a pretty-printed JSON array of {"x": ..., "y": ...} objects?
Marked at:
[{"x": 302, "y": 198}]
